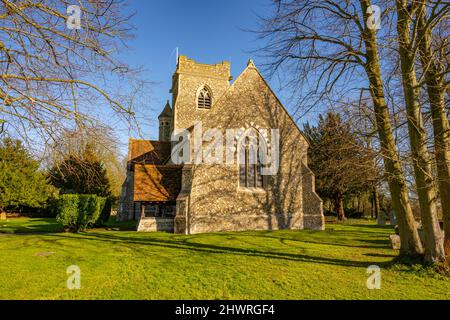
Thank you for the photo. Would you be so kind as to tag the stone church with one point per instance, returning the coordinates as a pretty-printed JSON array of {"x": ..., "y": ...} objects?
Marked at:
[{"x": 163, "y": 194}]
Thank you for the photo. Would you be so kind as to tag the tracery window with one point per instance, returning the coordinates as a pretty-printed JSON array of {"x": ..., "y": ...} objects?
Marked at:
[
  {"x": 250, "y": 167},
  {"x": 204, "y": 98}
]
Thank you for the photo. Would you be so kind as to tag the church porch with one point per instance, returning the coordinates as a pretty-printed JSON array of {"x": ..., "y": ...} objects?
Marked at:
[{"x": 156, "y": 216}]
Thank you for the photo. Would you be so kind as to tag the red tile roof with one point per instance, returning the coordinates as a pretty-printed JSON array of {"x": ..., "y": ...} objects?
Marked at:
[
  {"x": 156, "y": 182},
  {"x": 149, "y": 152}
]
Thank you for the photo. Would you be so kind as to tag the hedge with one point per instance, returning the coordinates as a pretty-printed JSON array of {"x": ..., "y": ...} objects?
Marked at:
[
  {"x": 77, "y": 212},
  {"x": 106, "y": 212}
]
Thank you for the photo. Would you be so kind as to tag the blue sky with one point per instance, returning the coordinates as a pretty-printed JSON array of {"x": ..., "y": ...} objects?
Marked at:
[{"x": 206, "y": 31}]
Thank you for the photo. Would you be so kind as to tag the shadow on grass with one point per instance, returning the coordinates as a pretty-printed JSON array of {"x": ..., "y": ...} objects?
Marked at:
[
  {"x": 184, "y": 244},
  {"x": 30, "y": 226},
  {"x": 113, "y": 225},
  {"x": 381, "y": 255},
  {"x": 339, "y": 237},
  {"x": 376, "y": 226},
  {"x": 335, "y": 237},
  {"x": 50, "y": 225}
]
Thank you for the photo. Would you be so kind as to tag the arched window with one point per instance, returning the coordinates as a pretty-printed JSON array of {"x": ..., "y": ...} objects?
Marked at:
[
  {"x": 250, "y": 166},
  {"x": 204, "y": 98}
]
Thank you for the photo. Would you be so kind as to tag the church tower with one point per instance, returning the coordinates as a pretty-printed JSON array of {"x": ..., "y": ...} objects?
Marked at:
[
  {"x": 195, "y": 89},
  {"x": 165, "y": 123}
]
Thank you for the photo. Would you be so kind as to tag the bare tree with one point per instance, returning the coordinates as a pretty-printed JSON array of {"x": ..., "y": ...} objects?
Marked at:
[
  {"x": 360, "y": 118},
  {"x": 333, "y": 44},
  {"x": 77, "y": 144},
  {"x": 407, "y": 46},
  {"x": 432, "y": 15},
  {"x": 56, "y": 70}
]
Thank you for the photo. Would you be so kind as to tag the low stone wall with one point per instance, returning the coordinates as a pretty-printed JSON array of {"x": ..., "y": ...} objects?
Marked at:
[{"x": 151, "y": 224}]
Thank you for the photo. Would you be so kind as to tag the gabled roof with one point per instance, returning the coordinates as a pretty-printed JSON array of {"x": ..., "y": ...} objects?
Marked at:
[
  {"x": 251, "y": 66},
  {"x": 167, "y": 111},
  {"x": 156, "y": 183},
  {"x": 148, "y": 151}
]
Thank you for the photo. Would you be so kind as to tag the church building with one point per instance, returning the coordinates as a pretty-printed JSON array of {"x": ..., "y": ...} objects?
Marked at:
[{"x": 163, "y": 193}]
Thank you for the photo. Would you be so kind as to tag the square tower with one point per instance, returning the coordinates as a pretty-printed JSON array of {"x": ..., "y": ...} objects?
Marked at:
[{"x": 195, "y": 88}]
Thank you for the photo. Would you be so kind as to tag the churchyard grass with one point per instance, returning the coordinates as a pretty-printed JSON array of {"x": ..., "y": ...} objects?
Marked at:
[{"x": 117, "y": 263}]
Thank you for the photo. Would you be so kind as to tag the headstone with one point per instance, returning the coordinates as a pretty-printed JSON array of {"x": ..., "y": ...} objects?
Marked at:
[
  {"x": 381, "y": 218},
  {"x": 396, "y": 230},
  {"x": 421, "y": 233},
  {"x": 392, "y": 218},
  {"x": 395, "y": 241},
  {"x": 3, "y": 216}
]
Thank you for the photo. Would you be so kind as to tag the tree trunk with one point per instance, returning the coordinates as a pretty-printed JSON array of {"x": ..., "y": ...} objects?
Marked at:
[
  {"x": 433, "y": 242},
  {"x": 410, "y": 241},
  {"x": 372, "y": 211},
  {"x": 339, "y": 208},
  {"x": 359, "y": 204},
  {"x": 2, "y": 214},
  {"x": 376, "y": 203},
  {"x": 436, "y": 95}
]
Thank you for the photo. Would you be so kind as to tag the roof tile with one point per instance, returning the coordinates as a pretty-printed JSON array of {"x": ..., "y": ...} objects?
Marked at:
[{"x": 156, "y": 182}]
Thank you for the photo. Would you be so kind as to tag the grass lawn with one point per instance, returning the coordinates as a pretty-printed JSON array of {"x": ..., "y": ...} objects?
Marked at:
[
  {"x": 27, "y": 225},
  {"x": 117, "y": 264}
]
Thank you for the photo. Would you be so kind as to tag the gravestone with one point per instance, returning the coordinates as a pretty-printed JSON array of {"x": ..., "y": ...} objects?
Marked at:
[
  {"x": 421, "y": 233},
  {"x": 395, "y": 241},
  {"x": 381, "y": 218},
  {"x": 392, "y": 218},
  {"x": 3, "y": 216},
  {"x": 396, "y": 230}
]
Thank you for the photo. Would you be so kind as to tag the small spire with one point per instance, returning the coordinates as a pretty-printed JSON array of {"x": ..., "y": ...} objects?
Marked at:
[
  {"x": 167, "y": 111},
  {"x": 250, "y": 63}
]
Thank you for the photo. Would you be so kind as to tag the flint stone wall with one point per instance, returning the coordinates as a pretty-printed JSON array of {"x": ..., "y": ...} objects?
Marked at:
[
  {"x": 149, "y": 224},
  {"x": 211, "y": 198}
]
